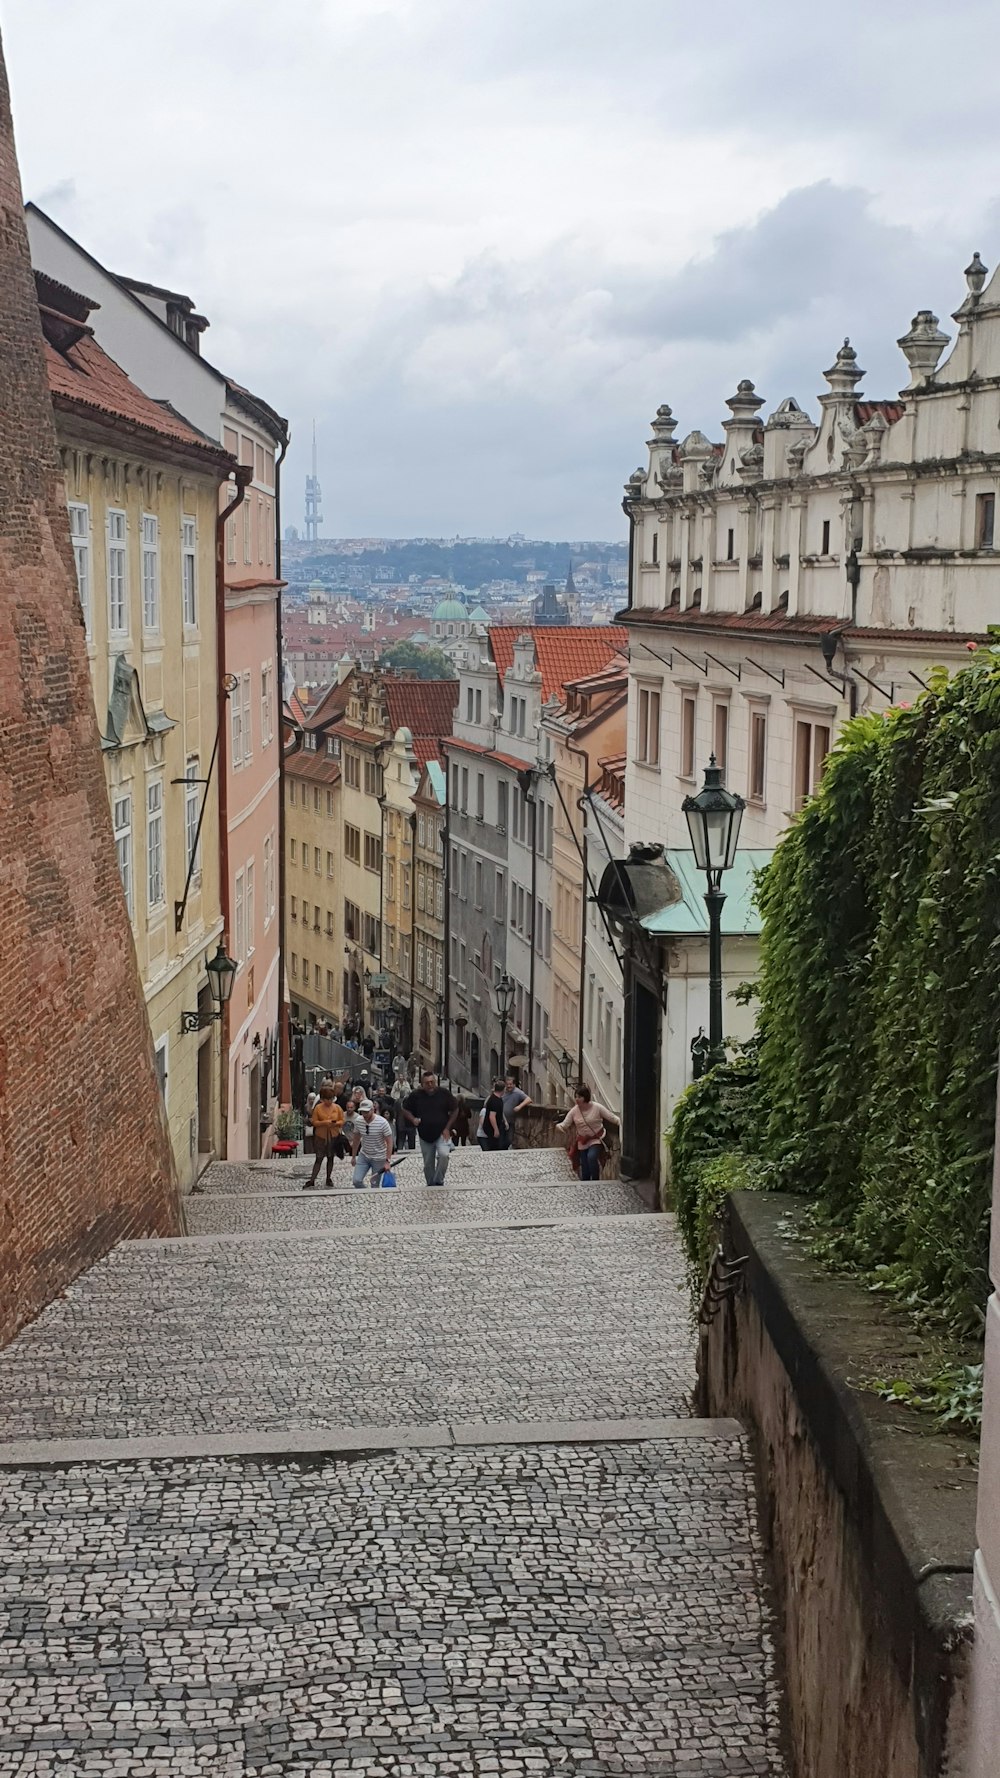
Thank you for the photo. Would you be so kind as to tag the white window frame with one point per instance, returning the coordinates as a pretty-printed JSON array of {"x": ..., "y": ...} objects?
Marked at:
[
  {"x": 192, "y": 844},
  {"x": 247, "y": 720},
  {"x": 755, "y": 796},
  {"x": 268, "y": 879},
  {"x": 266, "y": 704},
  {"x": 79, "y": 526},
  {"x": 720, "y": 731},
  {"x": 239, "y": 921},
  {"x": 189, "y": 571},
  {"x": 250, "y": 905},
  {"x": 121, "y": 817},
  {"x": 116, "y": 526},
  {"x": 156, "y": 875},
  {"x": 151, "y": 573},
  {"x": 689, "y": 700},
  {"x": 236, "y": 727},
  {"x": 647, "y": 739},
  {"x": 247, "y": 532}
]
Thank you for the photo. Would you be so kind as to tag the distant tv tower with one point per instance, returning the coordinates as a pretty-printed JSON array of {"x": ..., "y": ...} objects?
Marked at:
[{"x": 314, "y": 496}]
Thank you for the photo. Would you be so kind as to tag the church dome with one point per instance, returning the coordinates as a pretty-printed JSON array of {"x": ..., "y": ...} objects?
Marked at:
[{"x": 450, "y": 611}]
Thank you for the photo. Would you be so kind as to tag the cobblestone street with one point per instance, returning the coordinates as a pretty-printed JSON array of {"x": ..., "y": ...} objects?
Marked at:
[{"x": 391, "y": 1484}]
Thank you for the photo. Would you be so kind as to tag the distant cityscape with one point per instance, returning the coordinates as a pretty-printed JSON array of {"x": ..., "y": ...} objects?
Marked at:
[{"x": 351, "y": 600}]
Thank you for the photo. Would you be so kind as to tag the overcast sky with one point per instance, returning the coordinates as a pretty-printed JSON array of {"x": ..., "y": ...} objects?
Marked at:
[{"x": 481, "y": 240}]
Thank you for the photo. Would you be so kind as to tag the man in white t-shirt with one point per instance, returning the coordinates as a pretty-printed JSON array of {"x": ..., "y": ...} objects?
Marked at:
[{"x": 372, "y": 1146}]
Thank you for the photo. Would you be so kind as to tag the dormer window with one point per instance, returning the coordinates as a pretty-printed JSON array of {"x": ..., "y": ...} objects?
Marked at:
[
  {"x": 696, "y": 599},
  {"x": 757, "y": 602},
  {"x": 675, "y": 596}
]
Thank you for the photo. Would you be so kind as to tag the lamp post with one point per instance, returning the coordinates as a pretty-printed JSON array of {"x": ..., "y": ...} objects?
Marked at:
[
  {"x": 221, "y": 972},
  {"x": 566, "y": 1068},
  {"x": 504, "y": 992},
  {"x": 713, "y": 818}
]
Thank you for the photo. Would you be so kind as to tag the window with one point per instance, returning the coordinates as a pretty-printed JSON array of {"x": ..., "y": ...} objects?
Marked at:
[
  {"x": 421, "y": 831},
  {"x": 648, "y": 737},
  {"x": 329, "y": 800},
  {"x": 656, "y": 547},
  {"x": 261, "y": 527},
  {"x": 468, "y": 705},
  {"x": 293, "y": 850},
  {"x": 687, "y": 736},
  {"x": 247, "y": 720},
  {"x": 758, "y": 755},
  {"x": 122, "y": 817},
  {"x": 155, "y": 887},
  {"x": 477, "y": 877},
  {"x": 79, "y": 525},
  {"x": 421, "y": 892},
  {"x": 454, "y": 787},
  {"x": 315, "y": 799},
  {"x": 330, "y": 866},
  {"x": 317, "y": 861},
  {"x": 247, "y": 550},
  {"x": 305, "y": 972},
  {"x": 239, "y": 920},
  {"x": 189, "y": 572},
  {"x": 373, "y": 853},
  {"x": 291, "y": 792},
  {"x": 405, "y": 875},
  {"x": 352, "y": 774},
  {"x": 251, "y": 911},
  {"x": 352, "y": 920},
  {"x": 317, "y": 918},
  {"x": 498, "y": 896},
  {"x": 825, "y": 546},
  {"x": 374, "y": 782},
  {"x": 464, "y": 805},
  {"x": 480, "y": 796},
  {"x": 294, "y": 962},
  {"x": 440, "y": 899},
  {"x": 479, "y": 706},
  {"x": 502, "y": 806},
  {"x": 230, "y": 539},
  {"x": 269, "y": 884},
  {"x": 730, "y": 545},
  {"x": 266, "y": 704},
  {"x": 720, "y": 734},
  {"x": 352, "y": 843},
  {"x": 294, "y": 906},
  {"x": 812, "y": 744},
  {"x": 192, "y": 849},
  {"x": 370, "y": 934},
  {"x": 117, "y": 575},
  {"x": 329, "y": 923},
  {"x": 236, "y": 731},
  {"x": 985, "y": 512},
  {"x": 150, "y": 572},
  {"x": 160, "y": 1062}
]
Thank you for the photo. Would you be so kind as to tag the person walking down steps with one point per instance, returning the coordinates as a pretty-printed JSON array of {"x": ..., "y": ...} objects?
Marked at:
[
  {"x": 372, "y": 1146},
  {"x": 327, "y": 1119},
  {"x": 496, "y": 1133},
  {"x": 585, "y": 1121}
]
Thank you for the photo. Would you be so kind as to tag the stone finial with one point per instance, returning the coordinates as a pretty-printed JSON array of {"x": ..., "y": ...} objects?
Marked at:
[
  {"x": 751, "y": 463},
  {"x": 789, "y": 416},
  {"x": 845, "y": 372},
  {"x": 663, "y": 425},
  {"x": 922, "y": 346},
  {"x": 695, "y": 446},
  {"x": 975, "y": 275},
  {"x": 795, "y": 455},
  {"x": 635, "y": 487},
  {"x": 744, "y": 405}
]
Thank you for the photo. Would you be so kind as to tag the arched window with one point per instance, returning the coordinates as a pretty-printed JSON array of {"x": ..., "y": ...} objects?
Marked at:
[{"x": 487, "y": 958}]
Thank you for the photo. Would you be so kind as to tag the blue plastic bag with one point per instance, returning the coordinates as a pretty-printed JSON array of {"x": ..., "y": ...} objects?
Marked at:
[{"x": 388, "y": 1180}]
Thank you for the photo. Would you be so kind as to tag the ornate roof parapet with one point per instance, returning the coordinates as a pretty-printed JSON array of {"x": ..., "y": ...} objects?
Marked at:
[
  {"x": 922, "y": 347},
  {"x": 787, "y": 418},
  {"x": 635, "y": 487},
  {"x": 751, "y": 466},
  {"x": 740, "y": 427},
  {"x": 976, "y": 274},
  {"x": 844, "y": 375},
  {"x": 694, "y": 450},
  {"x": 661, "y": 444}
]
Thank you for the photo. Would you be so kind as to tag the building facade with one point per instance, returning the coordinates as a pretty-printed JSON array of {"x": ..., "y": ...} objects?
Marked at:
[
  {"x": 155, "y": 334},
  {"x": 142, "y": 492},
  {"x": 603, "y": 999},
  {"x": 429, "y": 805},
  {"x": 789, "y": 575}
]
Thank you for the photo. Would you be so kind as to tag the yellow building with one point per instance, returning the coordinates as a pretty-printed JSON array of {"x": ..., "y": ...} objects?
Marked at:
[
  {"x": 395, "y": 1003},
  {"x": 313, "y": 876},
  {"x": 142, "y": 489}
]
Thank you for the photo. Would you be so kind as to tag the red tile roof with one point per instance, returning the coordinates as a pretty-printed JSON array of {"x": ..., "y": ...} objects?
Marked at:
[
  {"x": 317, "y": 768},
  {"x": 424, "y": 706},
  {"x": 501, "y": 759},
  {"x": 611, "y": 783},
  {"x": 890, "y": 410},
  {"x": 84, "y": 380},
  {"x": 781, "y": 625},
  {"x": 426, "y": 748},
  {"x": 564, "y": 652}
]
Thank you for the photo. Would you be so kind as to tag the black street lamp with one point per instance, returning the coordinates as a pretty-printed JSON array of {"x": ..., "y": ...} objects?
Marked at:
[
  {"x": 566, "y": 1067},
  {"x": 713, "y": 818},
  {"x": 504, "y": 992},
  {"x": 221, "y": 972}
]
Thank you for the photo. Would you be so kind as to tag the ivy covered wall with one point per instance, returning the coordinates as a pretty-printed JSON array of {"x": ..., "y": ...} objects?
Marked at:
[{"x": 880, "y": 1000}]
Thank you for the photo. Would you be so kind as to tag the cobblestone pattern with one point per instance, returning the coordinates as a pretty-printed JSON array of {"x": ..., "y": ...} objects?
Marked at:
[
  {"x": 584, "y": 1321},
  {"x": 469, "y": 1167},
  {"x": 218, "y": 1212},
  {"x": 502, "y": 1613}
]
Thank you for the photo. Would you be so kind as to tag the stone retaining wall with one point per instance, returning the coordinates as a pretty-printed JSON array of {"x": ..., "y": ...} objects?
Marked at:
[{"x": 870, "y": 1517}]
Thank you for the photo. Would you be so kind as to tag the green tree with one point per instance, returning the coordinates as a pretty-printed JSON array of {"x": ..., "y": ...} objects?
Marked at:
[{"x": 419, "y": 658}]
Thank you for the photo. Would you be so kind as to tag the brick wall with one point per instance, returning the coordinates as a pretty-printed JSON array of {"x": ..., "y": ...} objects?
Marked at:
[{"x": 84, "y": 1152}]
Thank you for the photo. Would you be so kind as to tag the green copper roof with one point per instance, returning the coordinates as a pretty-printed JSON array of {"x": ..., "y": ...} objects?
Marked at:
[
  {"x": 687, "y": 917},
  {"x": 437, "y": 780}
]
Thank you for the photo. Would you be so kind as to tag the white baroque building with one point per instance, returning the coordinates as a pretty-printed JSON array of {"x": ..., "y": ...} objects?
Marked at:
[{"x": 785, "y": 576}]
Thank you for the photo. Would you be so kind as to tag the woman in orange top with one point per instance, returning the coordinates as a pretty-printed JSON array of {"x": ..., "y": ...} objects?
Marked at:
[{"x": 327, "y": 1118}]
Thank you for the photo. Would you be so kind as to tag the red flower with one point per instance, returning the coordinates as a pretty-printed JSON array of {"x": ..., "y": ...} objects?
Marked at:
[{"x": 972, "y": 646}]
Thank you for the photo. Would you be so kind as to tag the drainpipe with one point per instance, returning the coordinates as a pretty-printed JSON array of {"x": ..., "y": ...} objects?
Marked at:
[
  {"x": 243, "y": 474},
  {"x": 282, "y": 1077},
  {"x": 528, "y": 790},
  {"x": 446, "y": 1020},
  {"x": 413, "y": 931},
  {"x": 627, "y": 510}
]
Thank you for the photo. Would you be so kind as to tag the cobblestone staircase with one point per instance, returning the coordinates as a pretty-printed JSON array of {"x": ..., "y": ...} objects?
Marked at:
[{"x": 381, "y": 1483}]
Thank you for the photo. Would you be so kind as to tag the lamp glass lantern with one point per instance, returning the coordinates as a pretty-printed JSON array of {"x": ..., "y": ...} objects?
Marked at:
[
  {"x": 504, "y": 992},
  {"x": 566, "y": 1067},
  {"x": 221, "y": 971},
  {"x": 714, "y": 817}
]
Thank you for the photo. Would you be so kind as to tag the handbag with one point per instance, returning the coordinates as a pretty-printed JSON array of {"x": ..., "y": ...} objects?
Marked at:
[{"x": 388, "y": 1180}]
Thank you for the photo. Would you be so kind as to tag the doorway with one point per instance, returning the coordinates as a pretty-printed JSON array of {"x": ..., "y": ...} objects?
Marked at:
[
  {"x": 205, "y": 1142},
  {"x": 253, "y": 1112},
  {"x": 640, "y": 1112}
]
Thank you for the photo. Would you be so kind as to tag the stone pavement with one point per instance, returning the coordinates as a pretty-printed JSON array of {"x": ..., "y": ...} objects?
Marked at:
[{"x": 342, "y": 1563}]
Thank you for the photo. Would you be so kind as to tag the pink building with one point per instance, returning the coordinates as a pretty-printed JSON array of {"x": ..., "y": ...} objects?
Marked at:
[{"x": 256, "y": 436}]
